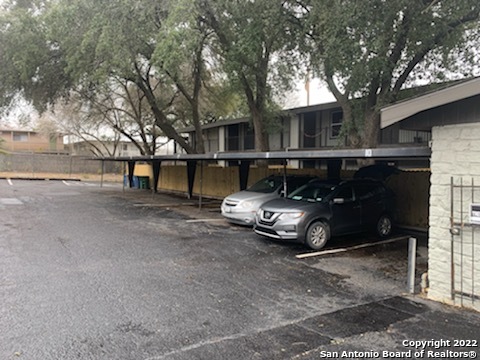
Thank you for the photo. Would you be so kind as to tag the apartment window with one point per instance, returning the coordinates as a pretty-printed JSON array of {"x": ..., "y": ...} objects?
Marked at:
[
  {"x": 310, "y": 130},
  {"x": 336, "y": 124},
  {"x": 20, "y": 137},
  {"x": 249, "y": 138},
  {"x": 233, "y": 137}
]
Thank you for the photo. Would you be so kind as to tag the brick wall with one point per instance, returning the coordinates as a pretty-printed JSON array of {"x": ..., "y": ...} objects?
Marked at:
[{"x": 455, "y": 157}]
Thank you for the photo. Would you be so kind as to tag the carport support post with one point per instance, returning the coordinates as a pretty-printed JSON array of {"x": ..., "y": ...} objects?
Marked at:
[
  {"x": 191, "y": 168},
  {"x": 124, "y": 171},
  {"x": 333, "y": 169},
  {"x": 201, "y": 186},
  {"x": 103, "y": 170},
  {"x": 412, "y": 251},
  {"x": 243, "y": 170},
  {"x": 131, "y": 169},
  {"x": 156, "y": 164}
]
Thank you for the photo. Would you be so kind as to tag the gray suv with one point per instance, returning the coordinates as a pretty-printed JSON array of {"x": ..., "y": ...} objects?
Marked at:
[
  {"x": 240, "y": 207},
  {"x": 321, "y": 209}
]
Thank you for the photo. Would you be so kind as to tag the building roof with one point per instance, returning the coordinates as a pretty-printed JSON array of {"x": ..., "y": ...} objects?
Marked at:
[
  {"x": 17, "y": 130},
  {"x": 295, "y": 111},
  {"x": 453, "y": 92}
]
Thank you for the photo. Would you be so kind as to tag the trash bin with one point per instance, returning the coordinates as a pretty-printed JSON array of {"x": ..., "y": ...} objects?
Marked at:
[
  {"x": 126, "y": 181},
  {"x": 143, "y": 182}
]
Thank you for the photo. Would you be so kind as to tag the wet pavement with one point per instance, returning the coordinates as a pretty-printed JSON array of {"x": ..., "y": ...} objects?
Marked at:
[{"x": 98, "y": 273}]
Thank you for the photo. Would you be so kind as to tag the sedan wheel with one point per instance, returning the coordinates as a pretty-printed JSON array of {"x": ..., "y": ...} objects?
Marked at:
[
  {"x": 384, "y": 226},
  {"x": 317, "y": 235}
]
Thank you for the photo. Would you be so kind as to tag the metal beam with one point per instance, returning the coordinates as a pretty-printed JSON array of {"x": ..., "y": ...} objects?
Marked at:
[{"x": 374, "y": 153}]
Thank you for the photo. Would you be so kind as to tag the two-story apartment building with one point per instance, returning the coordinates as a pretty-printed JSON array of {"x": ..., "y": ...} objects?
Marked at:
[{"x": 309, "y": 127}]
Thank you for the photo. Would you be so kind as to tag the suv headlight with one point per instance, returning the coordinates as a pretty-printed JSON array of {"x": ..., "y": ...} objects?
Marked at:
[
  {"x": 291, "y": 215},
  {"x": 247, "y": 204}
]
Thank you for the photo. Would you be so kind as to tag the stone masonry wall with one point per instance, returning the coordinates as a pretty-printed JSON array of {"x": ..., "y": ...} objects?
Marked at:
[{"x": 455, "y": 156}]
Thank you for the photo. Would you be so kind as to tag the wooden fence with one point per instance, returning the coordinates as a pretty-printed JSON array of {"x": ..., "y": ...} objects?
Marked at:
[{"x": 412, "y": 188}]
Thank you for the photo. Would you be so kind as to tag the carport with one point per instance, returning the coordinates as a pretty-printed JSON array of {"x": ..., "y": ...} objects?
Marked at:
[{"x": 243, "y": 160}]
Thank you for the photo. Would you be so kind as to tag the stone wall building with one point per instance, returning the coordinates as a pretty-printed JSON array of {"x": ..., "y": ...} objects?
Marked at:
[{"x": 453, "y": 115}]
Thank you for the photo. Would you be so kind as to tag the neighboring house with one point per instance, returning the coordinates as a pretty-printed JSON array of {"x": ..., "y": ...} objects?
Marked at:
[
  {"x": 121, "y": 148},
  {"x": 103, "y": 148},
  {"x": 31, "y": 141},
  {"x": 452, "y": 115}
]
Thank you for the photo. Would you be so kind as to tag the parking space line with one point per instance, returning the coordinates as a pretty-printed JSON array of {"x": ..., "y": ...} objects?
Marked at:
[
  {"x": 66, "y": 183},
  {"x": 361, "y": 246},
  {"x": 163, "y": 205},
  {"x": 203, "y": 220},
  {"x": 10, "y": 182}
]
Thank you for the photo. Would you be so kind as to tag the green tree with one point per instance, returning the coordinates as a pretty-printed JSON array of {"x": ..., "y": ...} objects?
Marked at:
[
  {"x": 116, "y": 40},
  {"x": 180, "y": 51},
  {"x": 29, "y": 68},
  {"x": 367, "y": 51},
  {"x": 255, "y": 42},
  {"x": 120, "y": 107},
  {"x": 61, "y": 46}
]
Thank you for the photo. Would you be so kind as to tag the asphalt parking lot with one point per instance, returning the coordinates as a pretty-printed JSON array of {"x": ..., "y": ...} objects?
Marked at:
[{"x": 99, "y": 273}]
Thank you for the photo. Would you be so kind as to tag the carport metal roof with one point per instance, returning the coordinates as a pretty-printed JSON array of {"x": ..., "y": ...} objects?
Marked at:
[
  {"x": 245, "y": 158},
  {"x": 375, "y": 153}
]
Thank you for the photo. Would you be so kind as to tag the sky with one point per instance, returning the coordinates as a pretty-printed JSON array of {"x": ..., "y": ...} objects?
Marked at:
[{"x": 319, "y": 94}]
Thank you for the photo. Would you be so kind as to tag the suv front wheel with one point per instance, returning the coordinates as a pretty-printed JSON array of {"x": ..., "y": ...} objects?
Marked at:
[
  {"x": 384, "y": 226},
  {"x": 317, "y": 235}
]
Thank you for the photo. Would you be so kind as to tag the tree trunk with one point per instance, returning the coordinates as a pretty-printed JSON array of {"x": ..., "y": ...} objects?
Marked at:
[
  {"x": 261, "y": 136},
  {"x": 371, "y": 136},
  {"x": 349, "y": 124},
  {"x": 199, "y": 145},
  {"x": 160, "y": 119},
  {"x": 171, "y": 133}
]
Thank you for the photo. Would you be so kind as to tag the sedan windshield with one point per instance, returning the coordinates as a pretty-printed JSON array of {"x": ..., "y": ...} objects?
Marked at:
[
  {"x": 312, "y": 192},
  {"x": 267, "y": 185}
]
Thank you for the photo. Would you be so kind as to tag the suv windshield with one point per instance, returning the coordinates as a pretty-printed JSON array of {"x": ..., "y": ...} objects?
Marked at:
[
  {"x": 313, "y": 192},
  {"x": 267, "y": 185}
]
